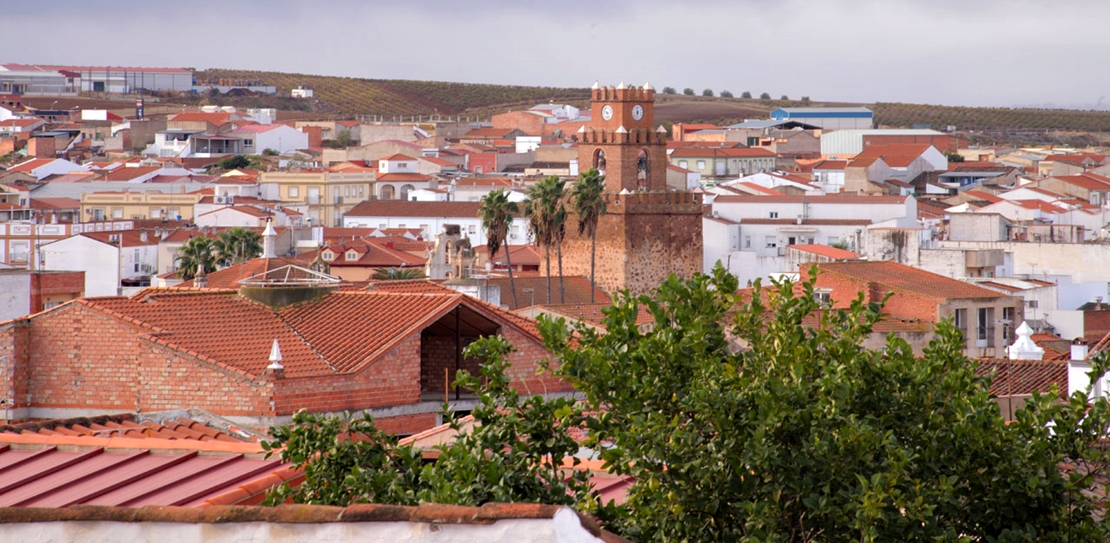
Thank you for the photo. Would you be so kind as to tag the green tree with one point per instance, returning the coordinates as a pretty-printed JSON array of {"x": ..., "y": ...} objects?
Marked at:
[
  {"x": 587, "y": 198},
  {"x": 747, "y": 94},
  {"x": 546, "y": 212},
  {"x": 765, "y": 96},
  {"x": 807, "y": 436},
  {"x": 233, "y": 162},
  {"x": 513, "y": 451},
  {"x": 805, "y": 99},
  {"x": 496, "y": 212},
  {"x": 398, "y": 274},
  {"x": 954, "y": 157},
  {"x": 270, "y": 152},
  {"x": 237, "y": 245},
  {"x": 194, "y": 253},
  {"x": 343, "y": 138},
  {"x": 668, "y": 90},
  {"x": 726, "y": 94},
  {"x": 784, "y": 97},
  {"x": 707, "y": 92},
  {"x": 688, "y": 91}
]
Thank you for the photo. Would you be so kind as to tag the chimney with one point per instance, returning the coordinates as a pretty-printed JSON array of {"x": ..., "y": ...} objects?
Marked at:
[
  {"x": 275, "y": 368},
  {"x": 269, "y": 240},
  {"x": 1079, "y": 368},
  {"x": 200, "y": 280}
]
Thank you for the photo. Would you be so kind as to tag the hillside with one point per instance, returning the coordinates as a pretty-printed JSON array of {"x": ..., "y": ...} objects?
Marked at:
[{"x": 391, "y": 97}]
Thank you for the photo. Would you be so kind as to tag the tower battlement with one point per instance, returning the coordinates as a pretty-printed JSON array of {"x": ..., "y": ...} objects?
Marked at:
[{"x": 622, "y": 93}]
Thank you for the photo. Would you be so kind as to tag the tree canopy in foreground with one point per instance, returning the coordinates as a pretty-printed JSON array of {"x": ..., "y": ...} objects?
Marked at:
[{"x": 803, "y": 435}]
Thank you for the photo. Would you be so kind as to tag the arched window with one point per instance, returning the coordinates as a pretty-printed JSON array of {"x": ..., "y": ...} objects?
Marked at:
[
  {"x": 405, "y": 190},
  {"x": 386, "y": 192},
  {"x": 643, "y": 169},
  {"x": 599, "y": 161}
]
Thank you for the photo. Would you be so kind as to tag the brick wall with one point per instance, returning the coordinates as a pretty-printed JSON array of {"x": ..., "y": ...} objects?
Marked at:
[
  {"x": 55, "y": 286},
  {"x": 437, "y": 361},
  {"x": 406, "y": 424}
]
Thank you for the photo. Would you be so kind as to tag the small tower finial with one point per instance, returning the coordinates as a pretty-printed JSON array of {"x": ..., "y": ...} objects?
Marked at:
[{"x": 269, "y": 240}]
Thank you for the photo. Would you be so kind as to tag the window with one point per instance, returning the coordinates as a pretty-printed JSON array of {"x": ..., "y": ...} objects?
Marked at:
[
  {"x": 361, "y": 190},
  {"x": 823, "y": 296},
  {"x": 136, "y": 267},
  {"x": 382, "y": 226},
  {"x": 351, "y": 255},
  {"x": 175, "y": 213},
  {"x": 155, "y": 213},
  {"x": 961, "y": 321},
  {"x": 747, "y": 242},
  {"x": 248, "y": 143},
  {"x": 346, "y": 191},
  {"x": 424, "y": 229},
  {"x": 327, "y": 255},
  {"x": 984, "y": 333},
  {"x": 701, "y": 164},
  {"x": 473, "y": 229},
  {"x": 294, "y": 192},
  {"x": 117, "y": 212},
  {"x": 771, "y": 242},
  {"x": 683, "y": 164},
  {"x": 1008, "y": 314},
  {"x": 49, "y": 305},
  {"x": 774, "y": 214}
]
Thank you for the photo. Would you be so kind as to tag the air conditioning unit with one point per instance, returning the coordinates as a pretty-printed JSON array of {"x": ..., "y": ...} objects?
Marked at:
[
  {"x": 221, "y": 200},
  {"x": 230, "y": 199}
]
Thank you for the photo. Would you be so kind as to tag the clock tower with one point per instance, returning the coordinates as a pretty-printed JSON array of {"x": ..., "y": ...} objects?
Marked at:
[{"x": 649, "y": 231}]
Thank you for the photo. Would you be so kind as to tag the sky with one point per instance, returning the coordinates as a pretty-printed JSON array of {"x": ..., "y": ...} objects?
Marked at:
[{"x": 952, "y": 52}]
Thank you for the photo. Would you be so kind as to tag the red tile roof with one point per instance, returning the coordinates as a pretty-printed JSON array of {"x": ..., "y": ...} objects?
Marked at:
[
  {"x": 402, "y": 208},
  {"x": 131, "y": 238},
  {"x": 48, "y": 204},
  {"x": 906, "y": 278},
  {"x": 397, "y": 157},
  {"x": 123, "y": 425},
  {"x": 831, "y": 165},
  {"x": 219, "y": 117},
  {"x": 31, "y": 165},
  {"x": 336, "y": 333},
  {"x": 1088, "y": 181},
  {"x": 372, "y": 253},
  {"x": 982, "y": 195},
  {"x": 729, "y": 152},
  {"x": 62, "y": 471},
  {"x": 577, "y": 290},
  {"x": 417, "y": 177},
  {"x": 825, "y": 250},
  {"x": 896, "y": 155},
  {"x": 230, "y": 276},
  {"x": 1023, "y": 377},
  {"x": 850, "y": 199},
  {"x": 127, "y": 174}
]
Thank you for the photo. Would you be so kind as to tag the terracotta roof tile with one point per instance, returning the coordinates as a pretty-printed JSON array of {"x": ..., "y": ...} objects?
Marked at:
[
  {"x": 825, "y": 250},
  {"x": 906, "y": 278},
  {"x": 1022, "y": 377},
  {"x": 401, "y": 208}
]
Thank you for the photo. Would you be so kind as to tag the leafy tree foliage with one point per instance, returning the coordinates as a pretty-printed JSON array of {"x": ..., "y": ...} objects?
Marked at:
[
  {"x": 954, "y": 157},
  {"x": 343, "y": 138},
  {"x": 512, "y": 453},
  {"x": 397, "y": 274},
  {"x": 765, "y": 96},
  {"x": 237, "y": 245},
  {"x": 668, "y": 90},
  {"x": 233, "y": 162},
  {"x": 707, "y": 92},
  {"x": 688, "y": 91},
  {"x": 194, "y": 253},
  {"x": 806, "y": 436},
  {"x": 784, "y": 97},
  {"x": 747, "y": 94},
  {"x": 726, "y": 94},
  {"x": 270, "y": 152}
]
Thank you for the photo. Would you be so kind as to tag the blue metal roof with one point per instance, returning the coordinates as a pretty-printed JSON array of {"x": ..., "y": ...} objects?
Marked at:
[{"x": 822, "y": 113}]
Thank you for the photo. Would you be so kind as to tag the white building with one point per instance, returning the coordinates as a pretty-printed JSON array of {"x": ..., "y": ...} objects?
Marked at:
[
  {"x": 109, "y": 259},
  {"x": 45, "y": 167},
  {"x": 278, "y": 137},
  {"x": 430, "y": 217},
  {"x": 247, "y": 216},
  {"x": 750, "y": 234},
  {"x": 301, "y": 92}
]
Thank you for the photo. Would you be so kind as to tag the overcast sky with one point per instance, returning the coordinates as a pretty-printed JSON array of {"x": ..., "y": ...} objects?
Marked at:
[{"x": 958, "y": 52}]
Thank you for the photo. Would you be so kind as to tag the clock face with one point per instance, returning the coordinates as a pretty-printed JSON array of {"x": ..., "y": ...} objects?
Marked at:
[
  {"x": 637, "y": 112},
  {"x": 607, "y": 112}
]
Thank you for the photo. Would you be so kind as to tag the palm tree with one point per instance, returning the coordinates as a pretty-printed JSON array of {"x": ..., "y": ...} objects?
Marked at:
[
  {"x": 496, "y": 212},
  {"x": 397, "y": 274},
  {"x": 237, "y": 245},
  {"x": 195, "y": 253},
  {"x": 559, "y": 230},
  {"x": 589, "y": 205},
  {"x": 546, "y": 216}
]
